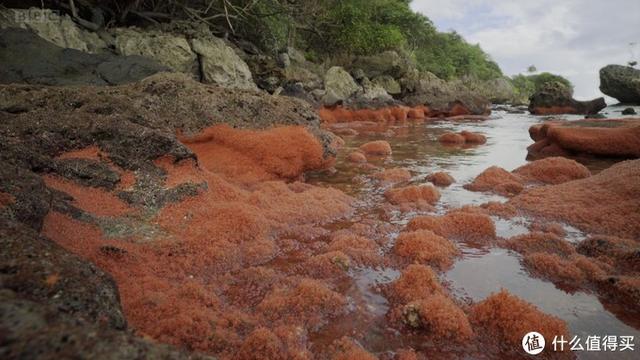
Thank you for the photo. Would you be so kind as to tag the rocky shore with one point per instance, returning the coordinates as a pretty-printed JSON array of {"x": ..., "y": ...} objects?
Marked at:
[{"x": 157, "y": 200}]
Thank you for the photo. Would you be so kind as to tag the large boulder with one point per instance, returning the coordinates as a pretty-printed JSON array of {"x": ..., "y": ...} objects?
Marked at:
[
  {"x": 220, "y": 65},
  {"x": 386, "y": 63},
  {"x": 339, "y": 86},
  {"x": 443, "y": 98},
  {"x": 170, "y": 50},
  {"x": 389, "y": 84},
  {"x": 556, "y": 98},
  {"x": 28, "y": 58},
  {"x": 53, "y": 27},
  {"x": 621, "y": 82}
]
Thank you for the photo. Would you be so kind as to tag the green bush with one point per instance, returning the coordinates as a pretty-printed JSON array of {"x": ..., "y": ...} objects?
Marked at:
[{"x": 527, "y": 85}]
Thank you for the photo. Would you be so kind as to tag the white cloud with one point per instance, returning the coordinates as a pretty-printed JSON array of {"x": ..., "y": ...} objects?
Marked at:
[{"x": 574, "y": 38}]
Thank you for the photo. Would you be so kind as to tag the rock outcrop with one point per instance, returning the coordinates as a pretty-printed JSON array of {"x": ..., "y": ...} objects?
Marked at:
[
  {"x": 621, "y": 82},
  {"x": 28, "y": 58},
  {"x": 338, "y": 85},
  {"x": 556, "y": 98}
]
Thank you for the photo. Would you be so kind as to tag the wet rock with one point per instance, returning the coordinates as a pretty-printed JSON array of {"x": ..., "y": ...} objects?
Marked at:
[
  {"x": 629, "y": 111},
  {"x": 31, "y": 198},
  {"x": 37, "y": 330},
  {"x": 36, "y": 268},
  {"x": 621, "y": 82},
  {"x": 88, "y": 172},
  {"x": 556, "y": 98},
  {"x": 27, "y": 58},
  {"x": 339, "y": 86},
  {"x": 54, "y": 27},
  {"x": 451, "y": 138}
]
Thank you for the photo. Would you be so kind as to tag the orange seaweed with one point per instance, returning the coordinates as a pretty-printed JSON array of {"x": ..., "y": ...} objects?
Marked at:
[
  {"x": 376, "y": 148},
  {"x": 459, "y": 225},
  {"x": 473, "y": 138},
  {"x": 92, "y": 200},
  {"x": 360, "y": 249},
  {"x": 423, "y": 246},
  {"x": 505, "y": 319},
  {"x": 451, "y": 138},
  {"x": 357, "y": 157},
  {"x": 392, "y": 176},
  {"x": 553, "y": 170},
  {"x": 440, "y": 178},
  {"x": 439, "y": 317},
  {"x": 498, "y": 180},
  {"x": 540, "y": 242},
  {"x": 416, "y": 282},
  {"x": 413, "y": 194}
]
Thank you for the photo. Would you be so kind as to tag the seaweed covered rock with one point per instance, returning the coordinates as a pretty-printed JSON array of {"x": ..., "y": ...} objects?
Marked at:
[
  {"x": 621, "y": 83},
  {"x": 556, "y": 98}
]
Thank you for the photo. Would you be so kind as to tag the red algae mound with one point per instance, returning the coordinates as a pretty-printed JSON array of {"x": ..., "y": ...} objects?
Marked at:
[
  {"x": 347, "y": 349},
  {"x": 617, "y": 252},
  {"x": 360, "y": 249},
  {"x": 413, "y": 194},
  {"x": 553, "y": 170},
  {"x": 473, "y": 138},
  {"x": 389, "y": 115},
  {"x": 464, "y": 137},
  {"x": 392, "y": 176},
  {"x": 573, "y": 271},
  {"x": 328, "y": 265},
  {"x": 498, "y": 180},
  {"x": 540, "y": 242},
  {"x": 258, "y": 155},
  {"x": 606, "y": 203},
  {"x": 620, "y": 141},
  {"x": 423, "y": 246},
  {"x": 451, "y": 138},
  {"x": 416, "y": 282},
  {"x": 376, "y": 148},
  {"x": 505, "y": 319},
  {"x": 458, "y": 225},
  {"x": 440, "y": 178},
  {"x": 357, "y": 157},
  {"x": 439, "y": 317}
]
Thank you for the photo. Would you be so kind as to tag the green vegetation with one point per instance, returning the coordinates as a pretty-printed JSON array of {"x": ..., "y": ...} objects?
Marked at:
[
  {"x": 526, "y": 85},
  {"x": 323, "y": 29}
]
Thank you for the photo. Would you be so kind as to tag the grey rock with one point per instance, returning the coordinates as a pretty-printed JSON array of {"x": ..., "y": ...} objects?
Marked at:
[
  {"x": 27, "y": 58},
  {"x": 621, "y": 82},
  {"x": 629, "y": 111},
  {"x": 339, "y": 86},
  {"x": 556, "y": 98},
  {"x": 220, "y": 65},
  {"x": 389, "y": 84}
]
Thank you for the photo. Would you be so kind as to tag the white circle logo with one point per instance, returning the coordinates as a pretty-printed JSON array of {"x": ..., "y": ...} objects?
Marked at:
[{"x": 533, "y": 343}]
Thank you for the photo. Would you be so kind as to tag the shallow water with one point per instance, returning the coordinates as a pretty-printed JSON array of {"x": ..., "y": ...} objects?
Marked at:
[{"x": 479, "y": 272}]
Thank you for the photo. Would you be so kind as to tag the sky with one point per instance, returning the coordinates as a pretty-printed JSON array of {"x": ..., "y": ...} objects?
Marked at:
[{"x": 573, "y": 38}]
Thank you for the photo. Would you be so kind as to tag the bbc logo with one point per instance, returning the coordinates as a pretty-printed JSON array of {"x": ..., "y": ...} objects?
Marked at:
[{"x": 34, "y": 15}]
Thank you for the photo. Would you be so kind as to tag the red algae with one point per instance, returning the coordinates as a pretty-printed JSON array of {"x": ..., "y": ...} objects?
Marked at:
[
  {"x": 498, "y": 180},
  {"x": 540, "y": 242},
  {"x": 253, "y": 155},
  {"x": 553, "y": 170},
  {"x": 473, "y": 138},
  {"x": 605, "y": 203},
  {"x": 182, "y": 172},
  {"x": 360, "y": 249},
  {"x": 310, "y": 303},
  {"x": 413, "y": 194},
  {"x": 376, "y": 148},
  {"x": 574, "y": 271},
  {"x": 439, "y": 317},
  {"x": 347, "y": 349},
  {"x": 416, "y": 282},
  {"x": 262, "y": 343},
  {"x": 459, "y": 225},
  {"x": 505, "y": 319},
  {"x": 451, "y": 138},
  {"x": 88, "y": 153},
  {"x": 617, "y": 252},
  {"x": 392, "y": 176},
  {"x": 328, "y": 265},
  {"x": 357, "y": 157},
  {"x": 393, "y": 115},
  {"x": 423, "y": 246},
  {"x": 440, "y": 178},
  {"x": 93, "y": 200},
  {"x": 6, "y": 199},
  {"x": 548, "y": 227}
]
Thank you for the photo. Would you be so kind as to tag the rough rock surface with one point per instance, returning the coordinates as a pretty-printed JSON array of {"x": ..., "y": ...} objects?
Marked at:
[
  {"x": 386, "y": 63},
  {"x": 28, "y": 58},
  {"x": 621, "y": 82},
  {"x": 220, "y": 65},
  {"x": 53, "y": 27},
  {"x": 339, "y": 86},
  {"x": 556, "y": 98}
]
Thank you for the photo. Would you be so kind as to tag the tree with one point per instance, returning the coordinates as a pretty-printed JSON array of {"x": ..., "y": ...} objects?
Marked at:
[{"x": 531, "y": 69}]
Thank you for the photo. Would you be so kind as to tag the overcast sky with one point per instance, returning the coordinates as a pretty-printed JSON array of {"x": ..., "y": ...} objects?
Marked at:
[{"x": 574, "y": 38}]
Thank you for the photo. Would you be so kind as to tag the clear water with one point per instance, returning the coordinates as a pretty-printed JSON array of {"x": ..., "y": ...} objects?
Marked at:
[{"x": 479, "y": 272}]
